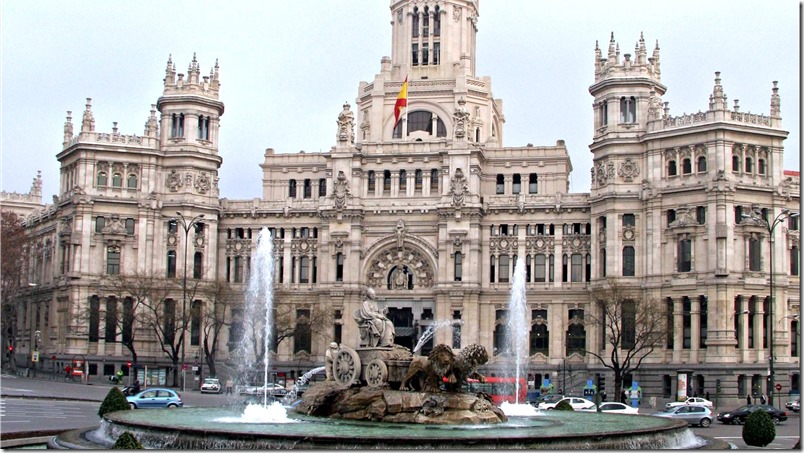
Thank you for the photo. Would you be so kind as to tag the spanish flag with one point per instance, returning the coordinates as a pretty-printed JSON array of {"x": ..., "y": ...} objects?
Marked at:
[{"x": 401, "y": 101}]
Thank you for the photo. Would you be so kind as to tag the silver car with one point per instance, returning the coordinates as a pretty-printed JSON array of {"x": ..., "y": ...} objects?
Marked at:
[{"x": 694, "y": 415}]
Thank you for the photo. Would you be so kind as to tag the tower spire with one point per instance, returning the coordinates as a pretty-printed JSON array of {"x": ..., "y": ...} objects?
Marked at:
[
  {"x": 776, "y": 102},
  {"x": 88, "y": 122}
]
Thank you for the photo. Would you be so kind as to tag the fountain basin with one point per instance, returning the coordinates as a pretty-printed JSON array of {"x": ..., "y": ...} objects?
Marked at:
[{"x": 197, "y": 428}]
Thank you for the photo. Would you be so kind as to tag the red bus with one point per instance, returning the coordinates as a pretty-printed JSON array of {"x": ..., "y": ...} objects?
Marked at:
[{"x": 499, "y": 389}]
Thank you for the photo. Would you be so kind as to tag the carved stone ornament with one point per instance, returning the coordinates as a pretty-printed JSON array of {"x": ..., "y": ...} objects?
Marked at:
[
  {"x": 173, "y": 181},
  {"x": 628, "y": 170},
  {"x": 456, "y": 13},
  {"x": 503, "y": 243},
  {"x": 600, "y": 175},
  {"x": 654, "y": 106},
  {"x": 114, "y": 226},
  {"x": 629, "y": 234},
  {"x": 540, "y": 244},
  {"x": 683, "y": 218},
  {"x": 346, "y": 124},
  {"x": 458, "y": 188},
  {"x": 340, "y": 193},
  {"x": 461, "y": 119},
  {"x": 401, "y": 232},
  {"x": 399, "y": 16},
  {"x": 417, "y": 265},
  {"x": 576, "y": 243},
  {"x": 188, "y": 178},
  {"x": 202, "y": 183}
]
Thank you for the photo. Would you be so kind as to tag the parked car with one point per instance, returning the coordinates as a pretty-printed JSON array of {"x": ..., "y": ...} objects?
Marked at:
[
  {"x": 576, "y": 403},
  {"x": 694, "y": 415},
  {"x": 739, "y": 415},
  {"x": 614, "y": 408},
  {"x": 211, "y": 385},
  {"x": 794, "y": 406},
  {"x": 549, "y": 398},
  {"x": 155, "y": 397},
  {"x": 691, "y": 402},
  {"x": 260, "y": 400}
]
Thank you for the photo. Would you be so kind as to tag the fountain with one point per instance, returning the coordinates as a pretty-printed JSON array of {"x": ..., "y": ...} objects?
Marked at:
[
  {"x": 429, "y": 332},
  {"x": 365, "y": 408},
  {"x": 517, "y": 326}
]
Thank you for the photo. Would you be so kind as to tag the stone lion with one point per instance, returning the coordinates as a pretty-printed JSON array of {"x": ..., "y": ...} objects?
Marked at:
[{"x": 443, "y": 363}]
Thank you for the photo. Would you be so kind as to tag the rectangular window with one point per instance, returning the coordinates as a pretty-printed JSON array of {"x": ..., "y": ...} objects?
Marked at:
[
  {"x": 700, "y": 215},
  {"x": 500, "y": 189},
  {"x": 173, "y": 226},
  {"x": 492, "y": 268},
  {"x": 792, "y": 223},
  {"x": 129, "y": 226},
  {"x": 754, "y": 252},
  {"x": 738, "y": 214},
  {"x": 564, "y": 265},
  {"x": 322, "y": 187},
  {"x": 629, "y": 220},
  {"x": 551, "y": 274},
  {"x": 415, "y": 55},
  {"x": 577, "y": 267},
  {"x": 372, "y": 180},
  {"x": 292, "y": 188},
  {"x": 458, "y": 266},
  {"x": 111, "y": 320},
  {"x": 794, "y": 260},
  {"x": 169, "y": 320},
  {"x": 128, "y": 320},
  {"x": 302, "y": 335},
  {"x": 238, "y": 269},
  {"x": 339, "y": 267},
  {"x": 436, "y": 52},
  {"x": 704, "y": 317},
  {"x": 687, "y": 323},
  {"x": 235, "y": 328},
  {"x": 629, "y": 324},
  {"x": 198, "y": 265},
  {"x": 304, "y": 269},
  {"x": 100, "y": 222},
  {"x": 685, "y": 255},
  {"x": 425, "y": 53},
  {"x": 113, "y": 260},
  {"x": 195, "y": 323},
  {"x": 517, "y": 188},
  {"x": 629, "y": 261},
  {"x": 505, "y": 271},
  {"x": 94, "y": 318},
  {"x": 670, "y": 322},
  {"x": 539, "y": 268},
  {"x": 456, "y": 329}
]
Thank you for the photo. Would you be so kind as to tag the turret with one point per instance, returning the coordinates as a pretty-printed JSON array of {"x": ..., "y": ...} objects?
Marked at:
[
  {"x": 68, "y": 129},
  {"x": 775, "y": 107},
  {"x": 88, "y": 122},
  {"x": 190, "y": 109},
  {"x": 152, "y": 125}
]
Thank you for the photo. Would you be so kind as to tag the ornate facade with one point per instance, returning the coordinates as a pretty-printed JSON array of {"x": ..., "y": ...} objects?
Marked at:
[{"x": 432, "y": 213}]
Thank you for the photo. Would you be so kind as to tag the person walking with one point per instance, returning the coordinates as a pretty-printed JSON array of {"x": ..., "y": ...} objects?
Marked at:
[
  {"x": 762, "y": 399},
  {"x": 229, "y": 385},
  {"x": 748, "y": 399},
  {"x": 69, "y": 372}
]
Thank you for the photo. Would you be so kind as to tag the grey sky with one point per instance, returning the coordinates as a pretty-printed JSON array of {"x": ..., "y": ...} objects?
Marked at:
[{"x": 287, "y": 67}]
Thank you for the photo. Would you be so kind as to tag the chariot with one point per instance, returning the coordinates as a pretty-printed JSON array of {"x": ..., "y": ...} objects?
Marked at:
[{"x": 377, "y": 367}]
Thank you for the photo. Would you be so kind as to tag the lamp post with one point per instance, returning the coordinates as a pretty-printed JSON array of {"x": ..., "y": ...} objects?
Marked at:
[
  {"x": 770, "y": 226},
  {"x": 187, "y": 226}
]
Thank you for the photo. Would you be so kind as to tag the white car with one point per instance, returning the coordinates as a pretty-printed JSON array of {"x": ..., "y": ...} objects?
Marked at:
[
  {"x": 577, "y": 404},
  {"x": 211, "y": 385},
  {"x": 614, "y": 408},
  {"x": 273, "y": 390},
  {"x": 691, "y": 402}
]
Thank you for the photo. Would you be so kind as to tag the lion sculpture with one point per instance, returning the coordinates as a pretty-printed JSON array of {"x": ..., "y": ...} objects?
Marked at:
[{"x": 442, "y": 363}]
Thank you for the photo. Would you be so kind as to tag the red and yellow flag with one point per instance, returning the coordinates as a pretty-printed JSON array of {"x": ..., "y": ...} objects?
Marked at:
[{"x": 401, "y": 101}]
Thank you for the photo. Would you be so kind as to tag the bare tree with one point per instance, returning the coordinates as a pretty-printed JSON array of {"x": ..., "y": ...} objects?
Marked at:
[
  {"x": 215, "y": 318},
  {"x": 14, "y": 247},
  {"x": 634, "y": 328},
  {"x": 144, "y": 290}
]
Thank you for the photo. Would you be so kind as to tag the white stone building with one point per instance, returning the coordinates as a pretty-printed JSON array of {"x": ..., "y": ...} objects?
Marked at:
[{"x": 433, "y": 213}]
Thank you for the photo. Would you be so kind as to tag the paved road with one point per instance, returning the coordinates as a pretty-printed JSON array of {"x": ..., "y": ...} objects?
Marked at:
[{"x": 68, "y": 405}]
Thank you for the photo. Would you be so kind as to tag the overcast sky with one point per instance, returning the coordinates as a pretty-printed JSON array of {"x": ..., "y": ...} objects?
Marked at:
[{"x": 288, "y": 66}]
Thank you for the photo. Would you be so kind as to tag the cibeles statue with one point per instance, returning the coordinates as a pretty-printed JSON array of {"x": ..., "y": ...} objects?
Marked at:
[{"x": 376, "y": 330}]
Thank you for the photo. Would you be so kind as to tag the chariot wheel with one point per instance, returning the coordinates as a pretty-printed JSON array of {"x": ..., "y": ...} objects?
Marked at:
[
  {"x": 346, "y": 366},
  {"x": 376, "y": 373}
]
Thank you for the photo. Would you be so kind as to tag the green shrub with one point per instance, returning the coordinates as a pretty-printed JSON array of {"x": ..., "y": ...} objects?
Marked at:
[
  {"x": 564, "y": 406},
  {"x": 127, "y": 441},
  {"x": 114, "y": 401},
  {"x": 759, "y": 430}
]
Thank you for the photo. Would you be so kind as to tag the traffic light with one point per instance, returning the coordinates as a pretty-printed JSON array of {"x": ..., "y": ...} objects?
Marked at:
[
  {"x": 128, "y": 364},
  {"x": 10, "y": 351},
  {"x": 601, "y": 384}
]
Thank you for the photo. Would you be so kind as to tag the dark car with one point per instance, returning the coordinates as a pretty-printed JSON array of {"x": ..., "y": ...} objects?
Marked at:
[{"x": 739, "y": 415}]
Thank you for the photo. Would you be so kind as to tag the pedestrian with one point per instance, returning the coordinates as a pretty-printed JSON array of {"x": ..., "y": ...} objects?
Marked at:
[
  {"x": 69, "y": 372},
  {"x": 136, "y": 387},
  {"x": 622, "y": 397},
  {"x": 748, "y": 399},
  {"x": 707, "y": 396},
  {"x": 762, "y": 399},
  {"x": 229, "y": 385},
  {"x": 120, "y": 376}
]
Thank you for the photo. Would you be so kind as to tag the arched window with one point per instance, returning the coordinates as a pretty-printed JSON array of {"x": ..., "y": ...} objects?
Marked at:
[
  {"x": 203, "y": 127},
  {"x": 102, "y": 179},
  {"x": 111, "y": 319},
  {"x": 418, "y": 180},
  {"x": 517, "y": 187},
  {"x": 671, "y": 168},
  {"x": 539, "y": 334},
  {"x": 761, "y": 166},
  {"x": 602, "y": 262},
  {"x": 117, "y": 180},
  {"x": 292, "y": 188},
  {"x": 576, "y": 333},
  {"x": 371, "y": 181},
  {"x": 426, "y": 21},
  {"x": 628, "y": 109},
  {"x": 500, "y": 184},
  {"x": 477, "y": 135},
  {"x": 132, "y": 181},
  {"x": 322, "y": 187},
  {"x": 94, "y": 318},
  {"x": 701, "y": 164},
  {"x": 177, "y": 125},
  {"x": 308, "y": 188},
  {"x": 533, "y": 183},
  {"x": 415, "y": 23},
  {"x": 386, "y": 181},
  {"x": 403, "y": 181},
  {"x": 433, "y": 180},
  {"x": 671, "y": 216},
  {"x": 437, "y": 21},
  {"x": 604, "y": 113},
  {"x": 735, "y": 164},
  {"x": 749, "y": 165},
  {"x": 686, "y": 166},
  {"x": 501, "y": 333}
]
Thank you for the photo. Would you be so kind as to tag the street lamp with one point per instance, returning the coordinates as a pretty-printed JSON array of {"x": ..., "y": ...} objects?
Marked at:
[
  {"x": 187, "y": 227},
  {"x": 770, "y": 226}
]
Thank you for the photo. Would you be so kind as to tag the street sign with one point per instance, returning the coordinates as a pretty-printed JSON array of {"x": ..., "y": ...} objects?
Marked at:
[
  {"x": 778, "y": 387},
  {"x": 184, "y": 366}
]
